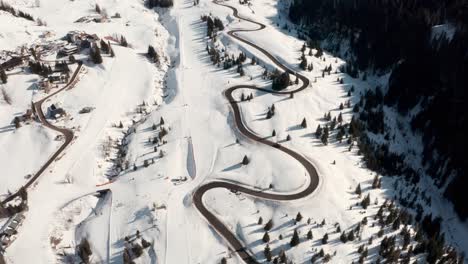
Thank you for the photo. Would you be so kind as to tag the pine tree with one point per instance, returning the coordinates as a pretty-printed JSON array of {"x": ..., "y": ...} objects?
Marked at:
[
  {"x": 224, "y": 260},
  {"x": 304, "y": 123},
  {"x": 97, "y": 8},
  {"x": 325, "y": 238},
  {"x": 268, "y": 225},
  {"x": 95, "y": 54},
  {"x": 267, "y": 253},
  {"x": 365, "y": 202},
  {"x": 152, "y": 54},
  {"x": 253, "y": 61},
  {"x": 295, "y": 239},
  {"x": 310, "y": 235},
  {"x": 17, "y": 122},
  {"x": 343, "y": 237},
  {"x": 298, "y": 217},
  {"x": 266, "y": 237},
  {"x": 282, "y": 256},
  {"x": 324, "y": 138},
  {"x": 161, "y": 121},
  {"x": 288, "y": 137},
  {"x": 104, "y": 46},
  {"x": 145, "y": 243},
  {"x": 123, "y": 41},
  {"x": 260, "y": 220},
  {"x": 3, "y": 76},
  {"x": 137, "y": 250},
  {"x": 245, "y": 160},
  {"x": 303, "y": 64},
  {"x": 318, "y": 131},
  {"x": 340, "y": 118},
  {"x": 375, "y": 183},
  {"x": 358, "y": 190},
  {"x": 273, "y": 134}
]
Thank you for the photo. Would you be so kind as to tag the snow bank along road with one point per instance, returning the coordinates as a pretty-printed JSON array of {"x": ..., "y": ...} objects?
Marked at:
[
  {"x": 67, "y": 133},
  {"x": 314, "y": 180}
]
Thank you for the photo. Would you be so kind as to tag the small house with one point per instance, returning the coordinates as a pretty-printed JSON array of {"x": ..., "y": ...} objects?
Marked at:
[
  {"x": 73, "y": 36},
  {"x": 55, "y": 112},
  {"x": 59, "y": 77},
  {"x": 61, "y": 67},
  {"x": 44, "y": 84},
  {"x": 69, "y": 50}
]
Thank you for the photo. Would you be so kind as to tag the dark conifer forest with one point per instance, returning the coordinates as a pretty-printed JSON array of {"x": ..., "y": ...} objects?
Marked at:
[{"x": 428, "y": 70}]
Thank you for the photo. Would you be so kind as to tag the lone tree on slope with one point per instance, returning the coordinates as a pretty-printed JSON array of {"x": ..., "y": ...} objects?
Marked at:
[
  {"x": 325, "y": 238},
  {"x": 304, "y": 123},
  {"x": 295, "y": 239},
  {"x": 245, "y": 160},
  {"x": 266, "y": 237},
  {"x": 268, "y": 225},
  {"x": 152, "y": 55},
  {"x": 358, "y": 190},
  {"x": 298, "y": 217}
]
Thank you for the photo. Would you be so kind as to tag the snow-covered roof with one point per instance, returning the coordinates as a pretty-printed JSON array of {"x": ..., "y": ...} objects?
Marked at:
[
  {"x": 55, "y": 75},
  {"x": 70, "y": 47}
]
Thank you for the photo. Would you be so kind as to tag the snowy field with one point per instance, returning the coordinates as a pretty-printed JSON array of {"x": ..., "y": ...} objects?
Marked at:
[{"x": 154, "y": 194}]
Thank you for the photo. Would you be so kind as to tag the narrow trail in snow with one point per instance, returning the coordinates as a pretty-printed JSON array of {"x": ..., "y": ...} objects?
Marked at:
[{"x": 221, "y": 228}]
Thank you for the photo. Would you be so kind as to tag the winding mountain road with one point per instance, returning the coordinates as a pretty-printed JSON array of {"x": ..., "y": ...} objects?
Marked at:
[
  {"x": 221, "y": 228},
  {"x": 67, "y": 133}
]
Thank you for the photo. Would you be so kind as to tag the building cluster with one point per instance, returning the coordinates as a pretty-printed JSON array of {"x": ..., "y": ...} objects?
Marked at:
[
  {"x": 9, "y": 230},
  {"x": 78, "y": 40}
]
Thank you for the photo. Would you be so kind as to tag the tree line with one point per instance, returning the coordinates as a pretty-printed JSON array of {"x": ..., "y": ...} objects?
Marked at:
[{"x": 17, "y": 13}]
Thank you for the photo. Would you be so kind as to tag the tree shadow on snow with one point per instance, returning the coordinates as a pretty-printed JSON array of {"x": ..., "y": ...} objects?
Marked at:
[{"x": 233, "y": 167}]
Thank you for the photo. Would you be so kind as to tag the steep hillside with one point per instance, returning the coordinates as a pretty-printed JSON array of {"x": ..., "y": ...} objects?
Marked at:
[{"x": 423, "y": 45}]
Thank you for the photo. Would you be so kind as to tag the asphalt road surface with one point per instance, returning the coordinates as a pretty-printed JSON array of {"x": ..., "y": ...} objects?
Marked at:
[
  {"x": 67, "y": 133},
  {"x": 221, "y": 228}
]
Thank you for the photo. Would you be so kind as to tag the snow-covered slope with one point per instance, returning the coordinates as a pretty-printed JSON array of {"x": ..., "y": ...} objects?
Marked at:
[{"x": 153, "y": 195}]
